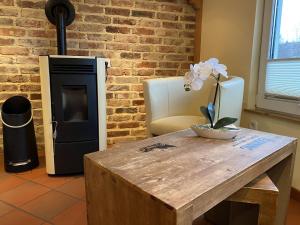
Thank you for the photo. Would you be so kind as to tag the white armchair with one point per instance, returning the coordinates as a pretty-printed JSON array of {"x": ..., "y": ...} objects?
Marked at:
[{"x": 170, "y": 108}]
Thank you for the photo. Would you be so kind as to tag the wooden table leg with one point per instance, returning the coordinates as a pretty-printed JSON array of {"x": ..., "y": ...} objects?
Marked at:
[
  {"x": 116, "y": 202},
  {"x": 185, "y": 216},
  {"x": 281, "y": 175}
]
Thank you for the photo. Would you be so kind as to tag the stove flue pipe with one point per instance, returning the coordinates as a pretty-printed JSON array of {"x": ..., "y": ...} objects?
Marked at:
[{"x": 60, "y": 13}]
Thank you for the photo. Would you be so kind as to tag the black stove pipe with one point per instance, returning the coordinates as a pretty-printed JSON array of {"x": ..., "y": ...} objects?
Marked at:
[
  {"x": 61, "y": 31},
  {"x": 61, "y": 13}
]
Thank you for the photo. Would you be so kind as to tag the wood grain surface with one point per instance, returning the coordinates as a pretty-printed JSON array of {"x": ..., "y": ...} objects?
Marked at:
[{"x": 184, "y": 181}]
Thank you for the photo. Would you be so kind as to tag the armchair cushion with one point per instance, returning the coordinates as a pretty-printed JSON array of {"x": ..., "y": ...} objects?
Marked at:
[{"x": 174, "y": 123}]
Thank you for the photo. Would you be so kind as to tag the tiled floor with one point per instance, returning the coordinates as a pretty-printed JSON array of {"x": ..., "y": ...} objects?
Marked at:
[{"x": 35, "y": 198}]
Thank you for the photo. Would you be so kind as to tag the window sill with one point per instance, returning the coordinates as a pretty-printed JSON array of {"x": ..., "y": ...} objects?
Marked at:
[{"x": 265, "y": 112}]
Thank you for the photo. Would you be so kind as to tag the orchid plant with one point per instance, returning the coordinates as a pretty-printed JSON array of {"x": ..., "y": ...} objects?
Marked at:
[{"x": 194, "y": 80}]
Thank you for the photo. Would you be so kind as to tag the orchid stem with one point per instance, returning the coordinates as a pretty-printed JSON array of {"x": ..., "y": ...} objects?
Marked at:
[{"x": 217, "y": 88}]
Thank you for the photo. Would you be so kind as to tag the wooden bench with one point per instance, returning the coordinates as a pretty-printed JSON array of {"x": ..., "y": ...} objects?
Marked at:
[{"x": 261, "y": 194}]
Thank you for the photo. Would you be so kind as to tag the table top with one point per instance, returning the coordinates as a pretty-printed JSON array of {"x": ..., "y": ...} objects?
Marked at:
[{"x": 194, "y": 170}]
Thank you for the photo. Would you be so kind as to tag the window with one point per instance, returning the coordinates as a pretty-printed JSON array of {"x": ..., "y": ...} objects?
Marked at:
[{"x": 279, "y": 75}]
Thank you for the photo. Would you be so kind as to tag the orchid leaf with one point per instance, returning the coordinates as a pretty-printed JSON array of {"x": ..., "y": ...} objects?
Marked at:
[
  {"x": 205, "y": 112},
  {"x": 211, "y": 111},
  {"x": 224, "y": 122}
]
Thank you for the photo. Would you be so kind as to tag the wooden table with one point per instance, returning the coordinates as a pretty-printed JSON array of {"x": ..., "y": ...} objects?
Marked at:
[{"x": 131, "y": 185}]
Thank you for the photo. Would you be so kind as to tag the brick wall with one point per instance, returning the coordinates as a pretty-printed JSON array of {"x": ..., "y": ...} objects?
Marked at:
[{"x": 143, "y": 39}]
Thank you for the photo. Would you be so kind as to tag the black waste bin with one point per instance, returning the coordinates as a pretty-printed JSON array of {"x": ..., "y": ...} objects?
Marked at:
[{"x": 20, "y": 150}]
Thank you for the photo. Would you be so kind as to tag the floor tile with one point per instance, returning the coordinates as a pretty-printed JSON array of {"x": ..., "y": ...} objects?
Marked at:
[
  {"x": 32, "y": 174},
  {"x": 23, "y": 193},
  {"x": 17, "y": 217},
  {"x": 4, "y": 208},
  {"x": 49, "y": 205},
  {"x": 8, "y": 182},
  {"x": 75, "y": 215},
  {"x": 75, "y": 188},
  {"x": 52, "y": 181}
]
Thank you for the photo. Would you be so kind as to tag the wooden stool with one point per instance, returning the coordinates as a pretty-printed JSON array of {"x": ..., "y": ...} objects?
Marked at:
[{"x": 260, "y": 197}]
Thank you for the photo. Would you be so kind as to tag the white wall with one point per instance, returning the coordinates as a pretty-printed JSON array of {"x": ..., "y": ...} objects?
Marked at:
[{"x": 230, "y": 30}]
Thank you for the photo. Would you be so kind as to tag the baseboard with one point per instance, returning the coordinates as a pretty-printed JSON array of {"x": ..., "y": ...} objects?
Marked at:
[{"x": 295, "y": 194}]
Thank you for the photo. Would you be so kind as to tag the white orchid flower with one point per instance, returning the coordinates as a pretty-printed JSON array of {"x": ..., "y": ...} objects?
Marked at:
[
  {"x": 204, "y": 70},
  {"x": 197, "y": 84},
  {"x": 217, "y": 68},
  {"x": 192, "y": 81},
  {"x": 200, "y": 72}
]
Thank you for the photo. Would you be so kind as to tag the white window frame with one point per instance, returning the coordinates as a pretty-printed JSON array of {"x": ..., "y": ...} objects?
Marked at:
[{"x": 281, "y": 105}]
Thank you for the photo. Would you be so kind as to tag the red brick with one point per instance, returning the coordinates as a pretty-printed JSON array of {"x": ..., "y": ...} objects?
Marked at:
[
  {"x": 129, "y": 125},
  {"x": 122, "y": 3},
  {"x": 117, "y": 88},
  {"x": 119, "y": 72},
  {"x": 30, "y": 70},
  {"x": 143, "y": 31},
  {"x": 30, "y": 87},
  {"x": 153, "y": 56},
  {"x": 126, "y": 39},
  {"x": 12, "y": 32},
  {"x": 150, "y": 40},
  {"x": 8, "y": 12},
  {"x": 129, "y": 110},
  {"x": 124, "y": 21},
  {"x": 117, "y": 11},
  {"x": 171, "y": 25},
  {"x": 31, "y": 4},
  {"x": 176, "y": 57},
  {"x": 147, "y": 5},
  {"x": 138, "y": 102},
  {"x": 167, "y": 73},
  {"x": 29, "y": 23},
  {"x": 145, "y": 72},
  {"x": 35, "y": 96},
  {"x": 169, "y": 65},
  {"x": 90, "y": 9},
  {"x": 7, "y": 2},
  {"x": 97, "y": 19},
  {"x": 6, "y": 41},
  {"x": 171, "y": 8},
  {"x": 173, "y": 41},
  {"x": 97, "y": 2},
  {"x": 142, "y": 48},
  {"x": 17, "y": 79},
  {"x": 186, "y": 34},
  {"x": 90, "y": 27},
  {"x": 8, "y": 70},
  {"x": 41, "y": 33},
  {"x": 167, "y": 16},
  {"x": 117, "y": 133},
  {"x": 167, "y": 33},
  {"x": 122, "y": 30},
  {"x": 146, "y": 64},
  {"x": 167, "y": 49},
  {"x": 91, "y": 45},
  {"x": 118, "y": 46},
  {"x": 14, "y": 51},
  {"x": 138, "y": 13},
  {"x": 149, "y": 23},
  {"x": 6, "y": 21},
  {"x": 100, "y": 37},
  {"x": 188, "y": 18},
  {"x": 129, "y": 55}
]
